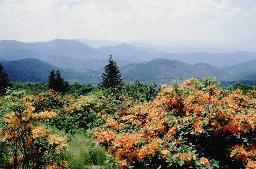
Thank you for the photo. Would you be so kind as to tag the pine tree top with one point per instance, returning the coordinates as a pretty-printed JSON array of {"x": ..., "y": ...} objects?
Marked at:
[{"x": 111, "y": 77}]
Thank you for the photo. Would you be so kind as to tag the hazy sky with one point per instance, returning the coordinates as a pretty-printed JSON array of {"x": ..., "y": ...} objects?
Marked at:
[{"x": 226, "y": 24}]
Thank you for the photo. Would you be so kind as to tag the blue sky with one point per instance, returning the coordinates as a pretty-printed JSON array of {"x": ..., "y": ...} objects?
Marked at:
[{"x": 200, "y": 24}]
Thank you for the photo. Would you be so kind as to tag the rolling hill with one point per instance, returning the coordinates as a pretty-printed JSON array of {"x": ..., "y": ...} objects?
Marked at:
[
  {"x": 78, "y": 56},
  {"x": 164, "y": 70},
  {"x": 66, "y": 54},
  {"x": 79, "y": 62},
  {"x": 24, "y": 70},
  {"x": 248, "y": 67},
  {"x": 157, "y": 71}
]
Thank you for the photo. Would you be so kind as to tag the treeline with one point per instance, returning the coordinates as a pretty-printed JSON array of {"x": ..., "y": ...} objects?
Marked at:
[{"x": 111, "y": 80}]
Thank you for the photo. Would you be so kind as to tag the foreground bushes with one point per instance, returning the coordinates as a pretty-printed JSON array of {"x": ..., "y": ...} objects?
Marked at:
[
  {"x": 193, "y": 125},
  {"x": 25, "y": 142}
]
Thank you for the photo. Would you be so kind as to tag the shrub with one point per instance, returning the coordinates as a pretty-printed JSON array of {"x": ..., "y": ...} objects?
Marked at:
[
  {"x": 139, "y": 91},
  {"x": 48, "y": 100},
  {"x": 30, "y": 87},
  {"x": 192, "y": 125},
  {"x": 80, "y": 89},
  {"x": 27, "y": 144}
]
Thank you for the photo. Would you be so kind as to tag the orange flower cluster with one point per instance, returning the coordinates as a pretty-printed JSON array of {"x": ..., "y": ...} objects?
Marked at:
[
  {"x": 204, "y": 161},
  {"x": 246, "y": 155},
  {"x": 58, "y": 141},
  {"x": 44, "y": 115},
  {"x": 22, "y": 128},
  {"x": 145, "y": 129},
  {"x": 54, "y": 165}
]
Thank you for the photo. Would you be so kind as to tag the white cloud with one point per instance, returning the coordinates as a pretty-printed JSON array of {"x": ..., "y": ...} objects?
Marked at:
[{"x": 227, "y": 23}]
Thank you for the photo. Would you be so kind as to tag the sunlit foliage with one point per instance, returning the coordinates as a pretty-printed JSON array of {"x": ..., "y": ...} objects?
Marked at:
[{"x": 195, "y": 124}]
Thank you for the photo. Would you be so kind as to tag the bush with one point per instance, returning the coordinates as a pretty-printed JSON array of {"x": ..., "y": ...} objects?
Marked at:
[
  {"x": 80, "y": 89},
  {"x": 81, "y": 112},
  {"x": 30, "y": 87},
  {"x": 192, "y": 125},
  {"x": 139, "y": 91},
  {"x": 24, "y": 142}
]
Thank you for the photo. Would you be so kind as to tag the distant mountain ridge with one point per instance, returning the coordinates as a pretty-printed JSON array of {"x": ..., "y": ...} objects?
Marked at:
[
  {"x": 156, "y": 71},
  {"x": 29, "y": 69},
  {"x": 77, "y": 55},
  {"x": 79, "y": 62},
  {"x": 164, "y": 70}
]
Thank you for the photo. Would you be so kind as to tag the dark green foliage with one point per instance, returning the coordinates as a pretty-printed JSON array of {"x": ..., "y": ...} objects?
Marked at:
[
  {"x": 57, "y": 83},
  {"x": 242, "y": 87},
  {"x": 4, "y": 80},
  {"x": 111, "y": 78},
  {"x": 80, "y": 89},
  {"x": 140, "y": 91},
  {"x": 30, "y": 87}
]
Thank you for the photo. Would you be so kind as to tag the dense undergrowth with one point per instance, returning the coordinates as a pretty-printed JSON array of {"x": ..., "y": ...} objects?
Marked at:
[{"x": 193, "y": 124}]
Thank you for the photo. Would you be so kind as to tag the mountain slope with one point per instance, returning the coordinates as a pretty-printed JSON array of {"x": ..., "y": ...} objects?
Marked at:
[
  {"x": 35, "y": 70},
  {"x": 28, "y": 70},
  {"x": 243, "y": 68},
  {"x": 73, "y": 54},
  {"x": 158, "y": 71},
  {"x": 66, "y": 54},
  {"x": 164, "y": 70}
]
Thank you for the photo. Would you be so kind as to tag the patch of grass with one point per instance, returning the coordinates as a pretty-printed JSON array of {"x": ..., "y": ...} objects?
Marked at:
[{"x": 84, "y": 153}]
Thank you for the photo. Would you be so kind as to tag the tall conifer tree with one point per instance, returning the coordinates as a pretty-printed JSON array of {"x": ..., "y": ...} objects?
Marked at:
[
  {"x": 57, "y": 83},
  {"x": 4, "y": 80},
  {"x": 111, "y": 78}
]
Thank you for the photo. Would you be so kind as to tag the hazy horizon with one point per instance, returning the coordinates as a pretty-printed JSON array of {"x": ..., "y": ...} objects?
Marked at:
[{"x": 202, "y": 25}]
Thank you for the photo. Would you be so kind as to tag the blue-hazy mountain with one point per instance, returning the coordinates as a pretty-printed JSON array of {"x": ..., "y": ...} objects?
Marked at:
[
  {"x": 79, "y": 62},
  {"x": 164, "y": 70},
  {"x": 157, "y": 71},
  {"x": 25, "y": 70},
  {"x": 66, "y": 54},
  {"x": 73, "y": 54}
]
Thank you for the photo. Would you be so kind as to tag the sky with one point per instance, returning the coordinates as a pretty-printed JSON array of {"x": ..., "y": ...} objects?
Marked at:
[{"x": 200, "y": 24}]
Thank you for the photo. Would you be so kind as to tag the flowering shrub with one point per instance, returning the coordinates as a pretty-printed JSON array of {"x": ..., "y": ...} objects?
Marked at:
[
  {"x": 24, "y": 142},
  {"x": 192, "y": 125},
  {"x": 48, "y": 100}
]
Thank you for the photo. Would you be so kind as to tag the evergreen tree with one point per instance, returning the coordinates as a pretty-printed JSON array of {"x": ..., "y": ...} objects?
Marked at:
[
  {"x": 4, "y": 80},
  {"x": 51, "y": 82},
  {"x": 111, "y": 78},
  {"x": 57, "y": 83}
]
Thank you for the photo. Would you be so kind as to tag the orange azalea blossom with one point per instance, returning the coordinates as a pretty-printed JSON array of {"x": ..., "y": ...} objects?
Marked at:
[
  {"x": 39, "y": 132},
  {"x": 185, "y": 156},
  {"x": 44, "y": 115},
  {"x": 122, "y": 164},
  {"x": 59, "y": 141},
  {"x": 12, "y": 120},
  {"x": 165, "y": 152},
  {"x": 204, "y": 161},
  {"x": 239, "y": 152},
  {"x": 250, "y": 164},
  {"x": 187, "y": 82},
  {"x": 198, "y": 126},
  {"x": 147, "y": 128},
  {"x": 9, "y": 135},
  {"x": 54, "y": 165},
  {"x": 170, "y": 134},
  {"x": 103, "y": 136},
  {"x": 112, "y": 123}
]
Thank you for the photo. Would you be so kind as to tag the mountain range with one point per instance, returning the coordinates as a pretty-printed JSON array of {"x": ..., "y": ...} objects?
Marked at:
[{"x": 78, "y": 61}]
